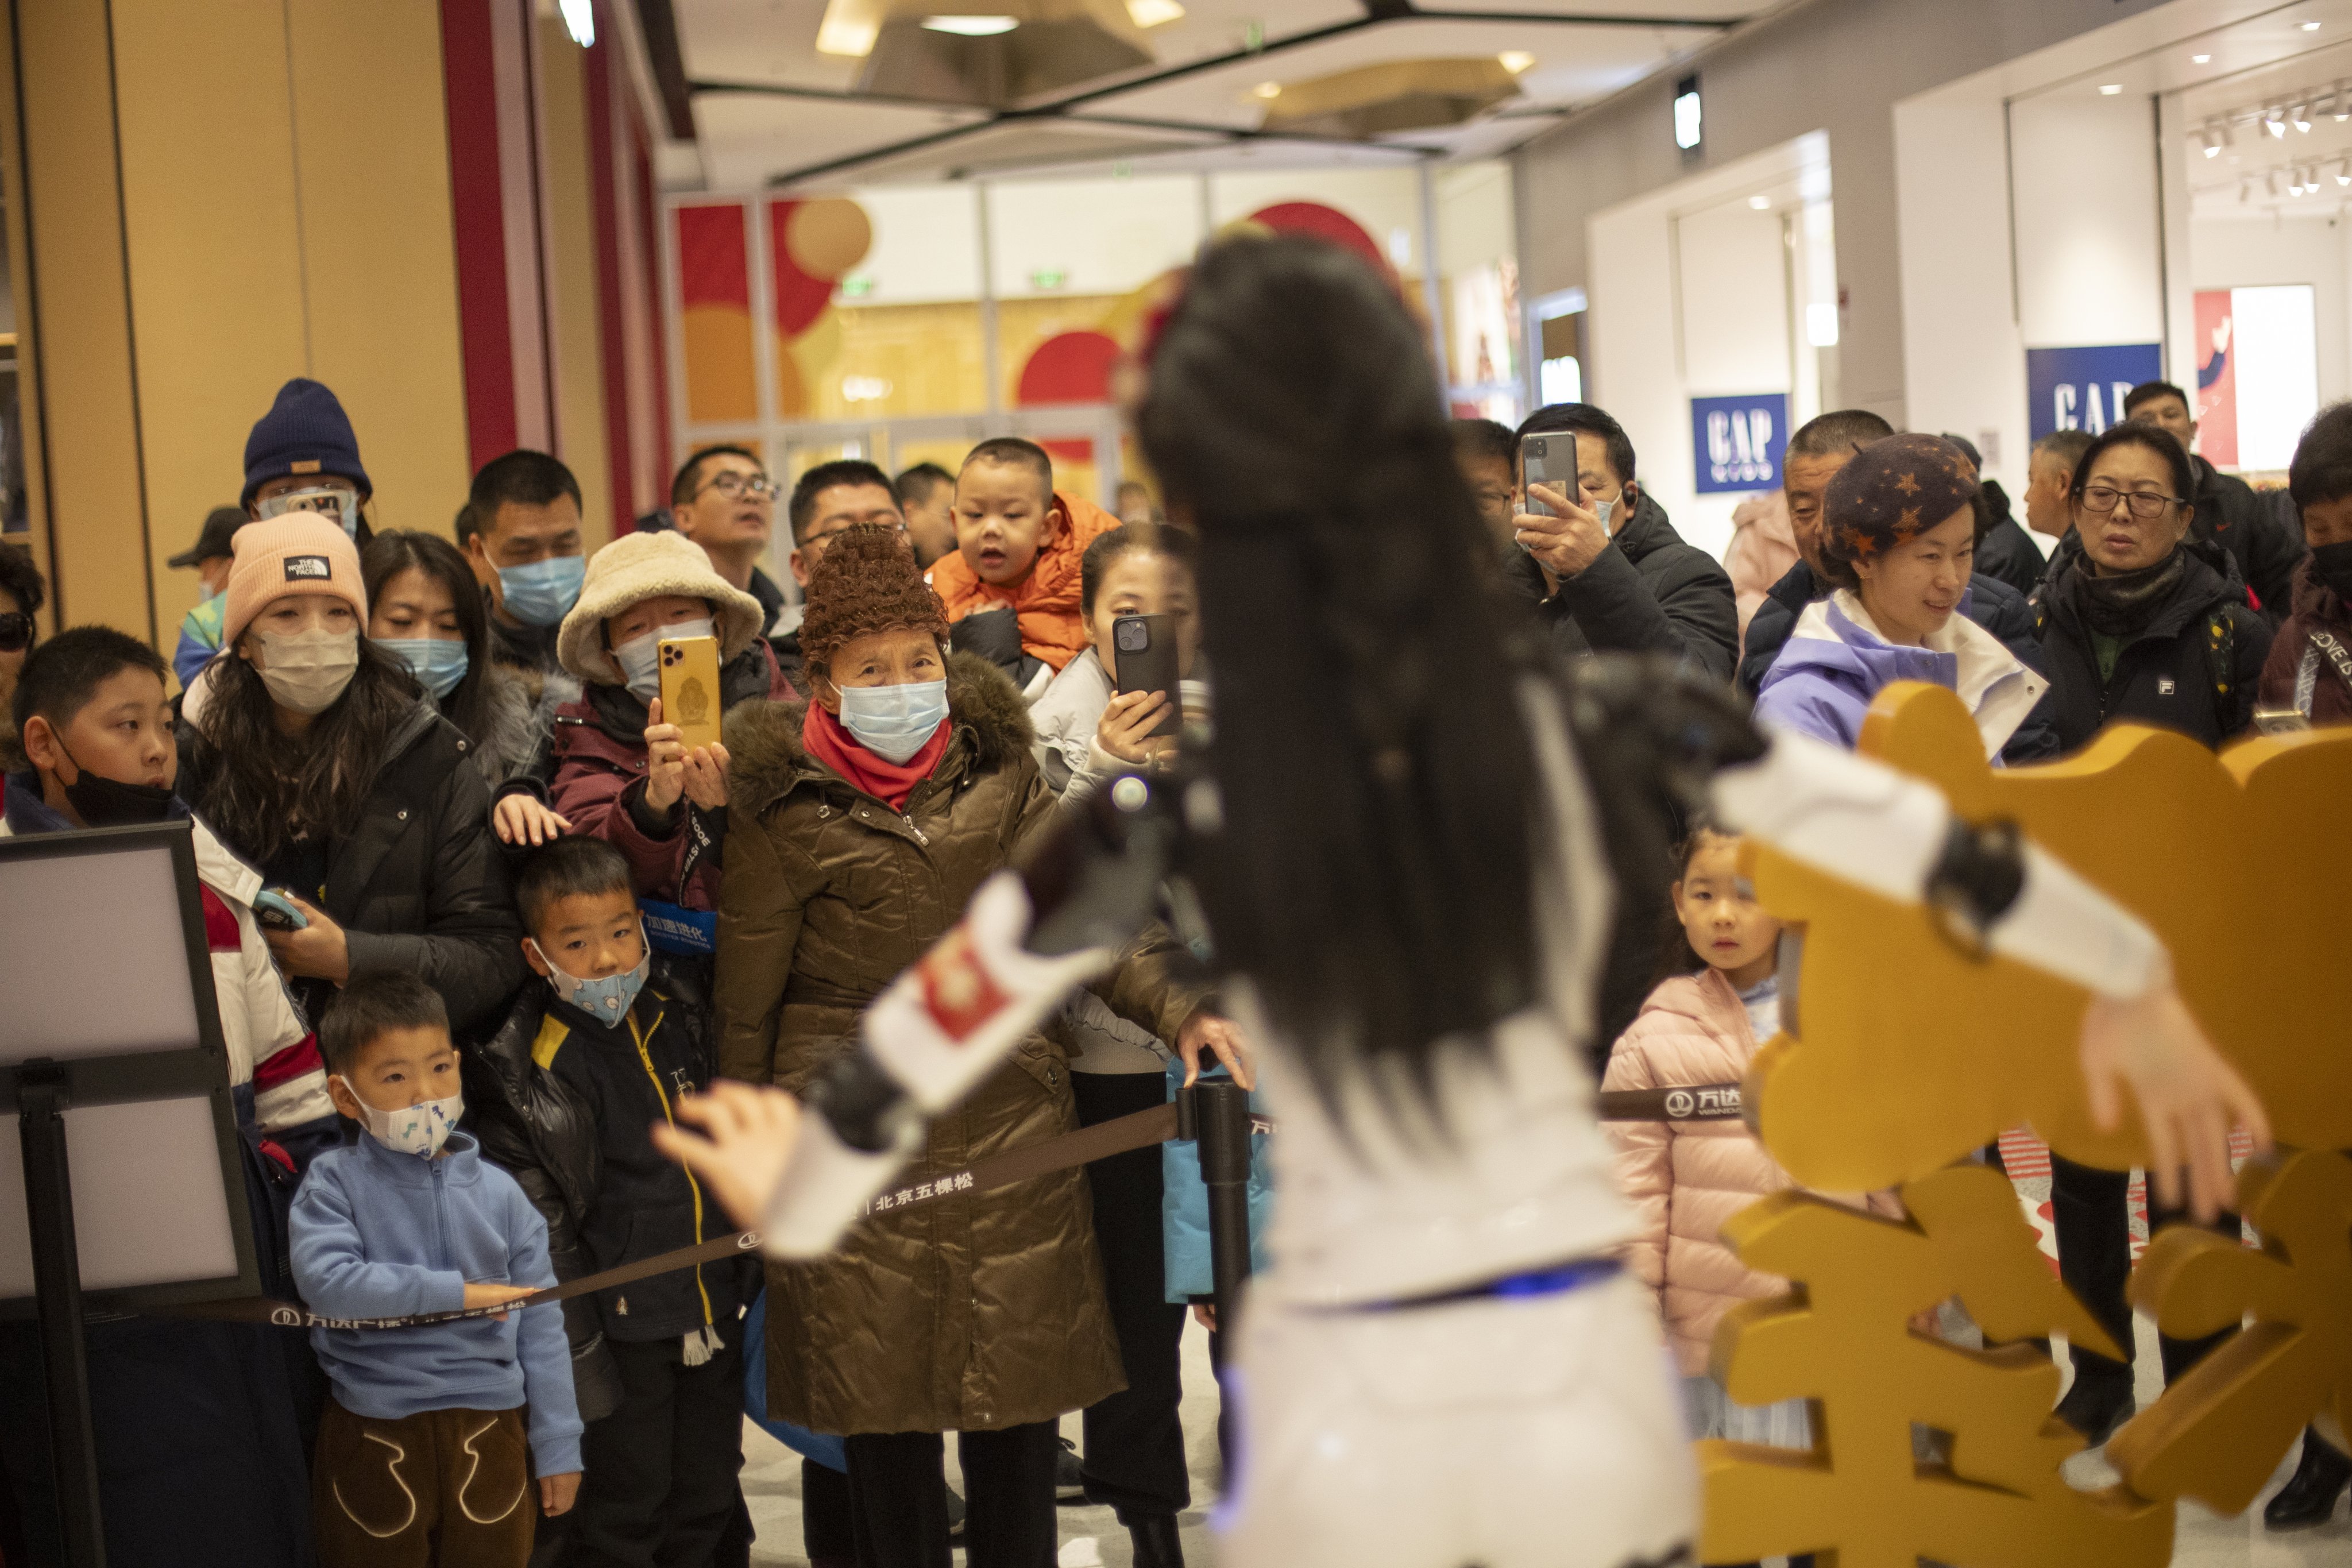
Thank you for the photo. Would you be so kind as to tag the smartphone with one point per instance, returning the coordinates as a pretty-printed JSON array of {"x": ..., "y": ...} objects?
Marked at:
[
  {"x": 279, "y": 912},
  {"x": 1145, "y": 650},
  {"x": 2280, "y": 721},
  {"x": 689, "y": 689},
  {"x": 1547, "y": 461}
]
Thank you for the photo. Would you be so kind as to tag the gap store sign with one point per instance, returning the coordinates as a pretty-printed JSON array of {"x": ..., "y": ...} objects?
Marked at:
[
  {"x": 2083, "y": 388},
  {"x": 1739, "y": 442}
]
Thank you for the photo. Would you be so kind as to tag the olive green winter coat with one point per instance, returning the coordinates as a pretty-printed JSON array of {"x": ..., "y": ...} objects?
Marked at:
[{"x": 969, "y": 1313}]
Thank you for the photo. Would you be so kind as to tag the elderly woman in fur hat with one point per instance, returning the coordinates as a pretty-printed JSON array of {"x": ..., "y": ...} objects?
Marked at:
[
  {"x": 860, "y": 823},
  {"x": 621, "y": 772}
]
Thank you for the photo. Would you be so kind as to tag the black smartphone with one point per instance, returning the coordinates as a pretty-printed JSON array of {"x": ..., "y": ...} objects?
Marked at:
[
  {"x": 1145, "y": 650},
  {"x": 1547, "y": 461}
]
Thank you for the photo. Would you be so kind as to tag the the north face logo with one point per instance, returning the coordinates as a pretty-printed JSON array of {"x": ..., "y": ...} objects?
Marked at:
[
  {"x": 308, "y": 569},
  {"x": 2165, "y": 684}
]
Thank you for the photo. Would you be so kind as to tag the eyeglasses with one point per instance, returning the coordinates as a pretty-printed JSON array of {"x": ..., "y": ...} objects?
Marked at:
[
  {"x": 16, "y": 632},
  {"x": 735, "y": 484},
  {"x": 2101, "y": 499}
]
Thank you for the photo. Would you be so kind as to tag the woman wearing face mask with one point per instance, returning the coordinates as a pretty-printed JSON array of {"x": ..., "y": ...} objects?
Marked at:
[
  {"x": 2140, "y": 622},
  {"x": 2309, "y": 673},
  {"x": 618, "y": 768},
  {"x": 426, "y": 609},
  {"x": 316, "y": 757},
  {"x": 861, "y": 824},
  {"x": 1898, "y": 538}
]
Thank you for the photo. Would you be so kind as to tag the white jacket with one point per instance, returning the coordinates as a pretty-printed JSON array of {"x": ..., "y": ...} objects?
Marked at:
[{"x": 269, "y": 1045}]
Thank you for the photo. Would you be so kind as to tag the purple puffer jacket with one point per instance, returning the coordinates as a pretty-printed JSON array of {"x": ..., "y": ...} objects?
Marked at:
[{"x": 1831, "y": 668}]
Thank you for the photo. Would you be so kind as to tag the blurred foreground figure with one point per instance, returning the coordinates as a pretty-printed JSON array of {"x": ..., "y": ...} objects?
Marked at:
[{"x": 1397, "y": 839}]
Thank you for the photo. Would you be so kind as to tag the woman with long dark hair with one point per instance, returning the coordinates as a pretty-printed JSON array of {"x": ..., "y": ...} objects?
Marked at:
[{"x": 314, "y": 755}]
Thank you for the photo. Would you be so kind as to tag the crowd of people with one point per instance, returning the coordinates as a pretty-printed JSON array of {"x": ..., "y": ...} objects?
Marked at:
[{"x": 480, "y": 912}]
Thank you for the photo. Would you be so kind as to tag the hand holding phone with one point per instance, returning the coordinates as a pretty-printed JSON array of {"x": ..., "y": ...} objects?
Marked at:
[
  {"x": 689, "y": 689},
  {"x": 276, "y": 910}
]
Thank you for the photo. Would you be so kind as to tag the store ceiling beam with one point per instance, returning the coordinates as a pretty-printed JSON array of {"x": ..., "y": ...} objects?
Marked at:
[{"x": 657, "y": 23}]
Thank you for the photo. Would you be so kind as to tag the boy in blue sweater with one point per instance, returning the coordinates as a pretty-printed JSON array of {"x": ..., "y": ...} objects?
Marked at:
[{"x": 422, "y": 1458}]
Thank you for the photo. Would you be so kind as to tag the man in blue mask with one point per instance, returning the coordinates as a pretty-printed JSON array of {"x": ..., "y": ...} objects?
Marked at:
[{"x": 521, "y": 531}]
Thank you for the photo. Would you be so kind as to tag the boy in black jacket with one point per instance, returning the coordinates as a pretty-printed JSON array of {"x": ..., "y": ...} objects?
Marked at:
[{"x": 608, "y": 1054}]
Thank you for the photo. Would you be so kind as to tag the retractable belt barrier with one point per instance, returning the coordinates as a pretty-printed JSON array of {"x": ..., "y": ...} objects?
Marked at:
[{"x": 1702, "y": 1102}]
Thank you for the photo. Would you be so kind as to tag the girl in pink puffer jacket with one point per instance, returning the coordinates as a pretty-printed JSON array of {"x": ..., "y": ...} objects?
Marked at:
[{"x": 1685, "y": 1178}]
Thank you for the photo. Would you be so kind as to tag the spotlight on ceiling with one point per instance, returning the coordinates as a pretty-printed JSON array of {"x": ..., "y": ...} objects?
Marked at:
[
  {"x": 1266, "y": 90},
  {"x": 971, "y": 26},
  {"x": 2344, "y": 172},
  {"x": 1153, "y": 13},
  {"x": 2339, "y": 107},
  {"x": 2311, "y": 26},
  {"x": 2109, "y": 90},
  {"x": 1516, "y": 61},
  {"x": 2303, "y": 118},
  {"x": 2201, "y": 60},
  {"x": 2274, "y": 121}
]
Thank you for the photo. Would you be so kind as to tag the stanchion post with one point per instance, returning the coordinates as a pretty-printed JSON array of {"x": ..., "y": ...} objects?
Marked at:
[
  {"x": 1221, "y": 1116},
  {"x": 56, "y": 1284}
]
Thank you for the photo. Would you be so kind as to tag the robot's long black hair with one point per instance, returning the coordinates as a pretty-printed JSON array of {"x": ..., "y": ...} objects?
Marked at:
[{"x": 1372, "y": 872}]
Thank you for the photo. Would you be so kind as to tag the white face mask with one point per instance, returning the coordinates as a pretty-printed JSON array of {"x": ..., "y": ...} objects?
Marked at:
[
  {"x": 308, "y": 672},
  {"x": 640, "y": 657},
  {"x": 420, "y": 1130}
]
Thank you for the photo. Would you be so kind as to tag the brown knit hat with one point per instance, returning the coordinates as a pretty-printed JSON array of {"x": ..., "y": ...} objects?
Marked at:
[
  {"x": 866, "y": 581},
  {"x": 1893, "y": 492}
]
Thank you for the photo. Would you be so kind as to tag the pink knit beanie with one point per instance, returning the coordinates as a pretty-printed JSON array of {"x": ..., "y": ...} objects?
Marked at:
[{"x": 294, "y": 552}]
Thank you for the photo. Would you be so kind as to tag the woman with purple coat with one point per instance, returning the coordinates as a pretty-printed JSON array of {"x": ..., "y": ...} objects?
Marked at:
[{"x": 1898, "y": 538}]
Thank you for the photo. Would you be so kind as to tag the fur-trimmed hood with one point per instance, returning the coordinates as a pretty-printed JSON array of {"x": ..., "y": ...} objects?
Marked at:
[{"x": 766, "y": 758}]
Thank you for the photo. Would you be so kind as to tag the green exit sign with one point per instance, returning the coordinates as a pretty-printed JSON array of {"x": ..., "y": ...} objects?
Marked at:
[
  {"x": 857, "y": 285},
  {"x": 1048, "y": 277}
]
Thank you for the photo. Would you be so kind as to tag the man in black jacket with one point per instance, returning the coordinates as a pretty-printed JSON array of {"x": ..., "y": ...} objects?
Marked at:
[
  {"x": 1820, "y": 447},
  {"x": 1610, "y": 572},
  {"x": 2266, "y": 546},
  {"x": 2005, "y": 552}
]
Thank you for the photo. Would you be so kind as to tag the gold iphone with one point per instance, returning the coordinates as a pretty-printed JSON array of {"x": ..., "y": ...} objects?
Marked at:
[{"x": 689, "y": 689}]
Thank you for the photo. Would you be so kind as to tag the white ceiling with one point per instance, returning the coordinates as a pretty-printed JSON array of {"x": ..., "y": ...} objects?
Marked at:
[{"x": 769, "y": 109}]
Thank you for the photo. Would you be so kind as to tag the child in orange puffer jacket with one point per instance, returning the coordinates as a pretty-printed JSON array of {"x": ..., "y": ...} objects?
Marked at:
[{"x": 1685, "y": 1178}]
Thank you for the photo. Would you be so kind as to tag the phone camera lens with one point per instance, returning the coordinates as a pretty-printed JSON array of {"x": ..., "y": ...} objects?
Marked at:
[{"x": 1134, "y": 639}]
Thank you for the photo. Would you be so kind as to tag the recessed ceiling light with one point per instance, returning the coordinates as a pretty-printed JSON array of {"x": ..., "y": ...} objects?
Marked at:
[
  {"x": 1267, "y": 89},
  {"x": 1515, "y": 60},
  {"x": 971, "y": 26},
  {"x": 2311, "y": 26},
  {"x": 2201, "y": 60},
  {"x": 1760, "y": 202},
  {"x": 2109, "y": 90},
  {"x": 1153, "y": 13}
]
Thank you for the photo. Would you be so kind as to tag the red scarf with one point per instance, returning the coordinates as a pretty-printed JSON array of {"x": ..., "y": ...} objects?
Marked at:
[{"x": 888, "y": 781}]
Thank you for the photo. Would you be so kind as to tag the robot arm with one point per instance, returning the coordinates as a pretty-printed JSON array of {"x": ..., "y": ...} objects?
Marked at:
[
  {"x": 1027, "y": 938},
  {"x": 1864, "y": 823}
]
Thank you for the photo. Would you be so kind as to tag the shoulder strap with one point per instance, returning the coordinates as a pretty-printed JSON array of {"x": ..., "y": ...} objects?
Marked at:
[{"x": 2336, "y": 654}]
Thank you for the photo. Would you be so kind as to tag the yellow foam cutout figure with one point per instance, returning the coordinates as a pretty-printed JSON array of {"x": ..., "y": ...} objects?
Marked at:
[
  {"x": 2221, "y": 1430},
  {"x": 1843, "y": 1341},
  {"x": 1910, "y": 1053}
]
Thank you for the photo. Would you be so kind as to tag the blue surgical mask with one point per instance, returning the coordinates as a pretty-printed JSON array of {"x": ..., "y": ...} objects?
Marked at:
[
  {"x": 894, "y": 722},
  {"x": 640, "y": 657},
  {"x": 606, "y": 1000},
  {"x": 542, "y": 593},
  {"x": 438, "y": 663}
]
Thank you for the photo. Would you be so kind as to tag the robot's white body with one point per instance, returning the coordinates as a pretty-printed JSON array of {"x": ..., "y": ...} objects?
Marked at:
[
  {"x": 1394, "y": 1410},
  {"x": 1439, "y": 1370}
]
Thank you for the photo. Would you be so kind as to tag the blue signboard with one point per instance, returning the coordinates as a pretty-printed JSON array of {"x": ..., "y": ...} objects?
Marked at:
[
  {"x": 1739, "y": 442},
  {"x": 2083, "y": 388}
]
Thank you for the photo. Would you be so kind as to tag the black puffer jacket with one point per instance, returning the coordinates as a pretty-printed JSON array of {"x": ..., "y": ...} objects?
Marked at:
[
  {"x": 418, "y": 883},
  {"x": 2194, "y": 666},
  {"x": 566, "y": 1103},
  {"x": 2264, "y": 543},
  {"x": 1991, "y": 603},
  {"x": 531, "y": 1127},
  {"x": 1647, "y": 593}
]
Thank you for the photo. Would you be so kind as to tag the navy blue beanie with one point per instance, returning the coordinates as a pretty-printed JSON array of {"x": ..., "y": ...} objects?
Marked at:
[{"x": 305, "y": 432}]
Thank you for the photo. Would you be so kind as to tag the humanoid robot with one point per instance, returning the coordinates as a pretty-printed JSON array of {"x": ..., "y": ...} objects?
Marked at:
[{"x": 1401, "y": 836}]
